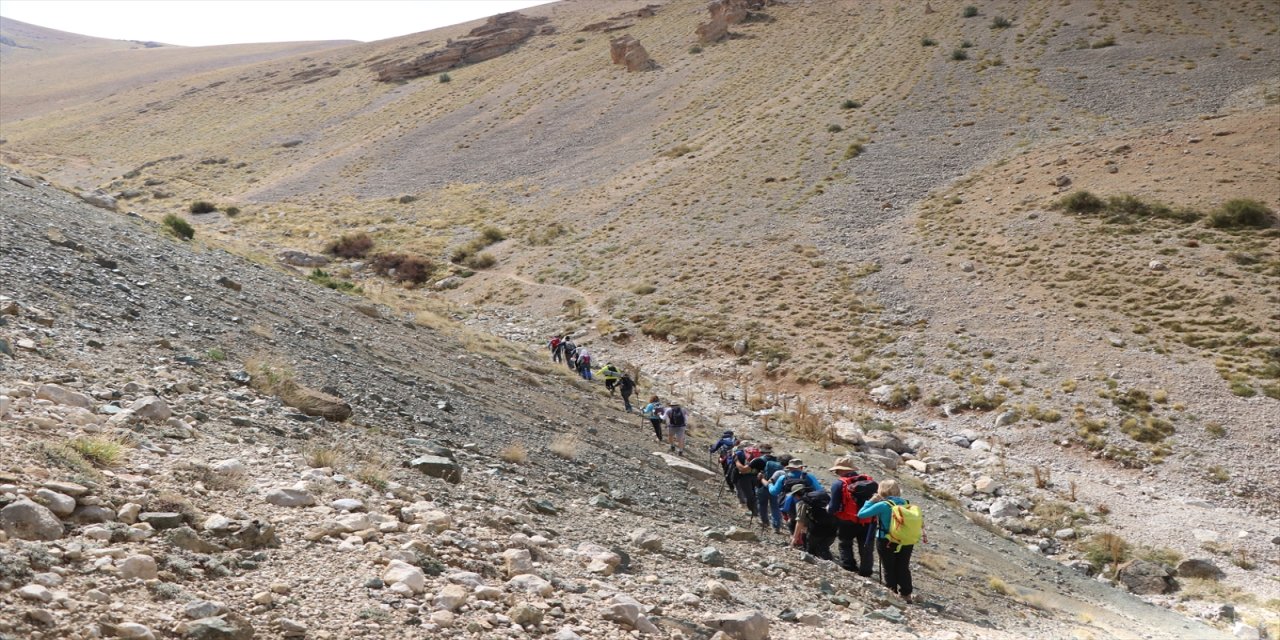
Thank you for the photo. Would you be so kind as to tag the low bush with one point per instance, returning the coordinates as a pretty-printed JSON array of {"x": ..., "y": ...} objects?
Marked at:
[
  {"x": 200, "y": 206},
  {"x": 1242, "y": 212},
  {"x": 324, "y": 279},
  {"x": 403, "y": 268},
  {"x": 959, "y": 54},
  {"x": 350, "y": 245},
  {"x": 850, "y": 104},
  {"x": 444, "y": 78},
  {"x": 928, "y": 42},
  {"x": 854, "y": 150},
  {"x": 1000, "y": 22},
  {"x": 101, "y": 452},
  {"x": 1109, "y": 41},
  {"x": 969, "y": 11},
  {"x": 231, "y": 211},
  {"x": 834, "y": 128},
  {"x": 179, "y": 226},
  {"x": 514, "y": 453}
]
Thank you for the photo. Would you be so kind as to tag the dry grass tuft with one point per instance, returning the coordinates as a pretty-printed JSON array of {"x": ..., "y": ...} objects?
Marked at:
[
  {"x": 98, "y": 451},
  {"x": 514, "y": 453},
  {"x": 565, "y": 446},
  {"x": 319, "y": 457}
]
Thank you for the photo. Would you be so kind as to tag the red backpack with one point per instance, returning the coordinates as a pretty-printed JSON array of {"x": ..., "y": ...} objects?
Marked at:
[{"x": 856, "y": 490}]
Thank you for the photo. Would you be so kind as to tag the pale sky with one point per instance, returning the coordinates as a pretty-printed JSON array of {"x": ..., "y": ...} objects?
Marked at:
[{"x": 195, "y": 23}]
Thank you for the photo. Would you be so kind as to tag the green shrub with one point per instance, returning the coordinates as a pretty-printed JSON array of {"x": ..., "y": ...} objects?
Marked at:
[
  {"x": 406, "y": 199},
  {"x": 480, "y": 260},
  {"x": 101, "y": 452},
  {"x": 444, "y": 77},
  {"x": 324, "y": 279},
  {"x": 231, "y": 211},
  {"x": 850, "y": 104},
  {"x": 965, "y": 44},
  {"x": 928, "y": 42},
  {"x": 579, "y": 40},
  {"x": 834, "y": 128},
  {"x": 1241, "y": 212},
  {"x": 350, "y": 245},
  {"x": 1109, "y": 41},
  {"x": 493, "y": 234},
  {"x": 200, "y": 206},
  {"x": 970, "y": 11},
  {"x": 1080, "y": 202},
  {"x": 695, "y": 49},
  {"x": 179, "y": 226},
  {"x": 854, "y": 150},
  {"x": 643, "y": 289},
  {"x": 1000, "y": 22},
  {"x": 959, "y": 54},
  {"x": 403, "y": 268}
]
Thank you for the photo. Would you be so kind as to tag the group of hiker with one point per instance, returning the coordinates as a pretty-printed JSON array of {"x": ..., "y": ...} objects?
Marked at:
[
  {"x": 669, "y": 418},
  {"x": 863, "y": 517}
]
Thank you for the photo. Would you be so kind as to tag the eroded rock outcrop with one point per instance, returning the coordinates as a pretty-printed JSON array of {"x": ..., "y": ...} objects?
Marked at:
[
  {"x": 501, "y": 34},
  {"x": 622, "y": 21},
  {"x": 723, "y": 14},
  {"x": 627, "y": 51}
]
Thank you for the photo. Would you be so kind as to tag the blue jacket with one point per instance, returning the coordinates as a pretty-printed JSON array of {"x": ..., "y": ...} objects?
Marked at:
[
  {"x": 883, "y": 511},
  {"x": 811, "y": 479},
  {"x": 725, "y": 443}
]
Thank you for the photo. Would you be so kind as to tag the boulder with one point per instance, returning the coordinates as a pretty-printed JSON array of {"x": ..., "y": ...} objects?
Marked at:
[
  {"x": 451, "y": 597},
  {"x": 685, "y": 467},
  {"x": 228, "y": 626},
  {"x": 289, "y": 497},
  {"x": 1004, "y": 508},
  {"x": 99, "y": 198},
  {"x": 986, "y": 484},
  {"x": 302, "y": 259},
  {"x": 405, "y": 573},
  {"x": 500, "y": 34},
  {"x": 1145, "y": 578},
  {"x": 438, "y": 467},
  {"x": 532, "y": 584},
  {"x": 58, "y": 395},
  {"x": 151, "y": 408},
  {"x": 525, "y": 614},
  {"x": 848, "y": 433},
  {"x": 142, "y": 567},
  {"x": 517, "y": 561},
  {"x": 27, "y": 520},
  {"x": 744, "y": 625},
  {"x": 59, "y": 503},
  {"x": 711, "y": 556},
  {"x": 724, "y": 13},
  {"x": 627, "y": 51},
  {"x": 1199, "y": 568},
  {"x": 646, "y": 539},
  {"x": 314, "y": 403}
]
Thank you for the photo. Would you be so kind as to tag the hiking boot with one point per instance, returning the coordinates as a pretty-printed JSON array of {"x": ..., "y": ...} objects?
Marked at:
[{"x": 671, "y": 448}]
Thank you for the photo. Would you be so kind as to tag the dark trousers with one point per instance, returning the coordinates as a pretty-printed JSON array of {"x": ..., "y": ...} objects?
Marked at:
[
  {"x": 556, "y": 354},
  {"x": 818, "y": 543},
  {"x": 730, "y": 473},
  {"x": 851, "y": 534},
  {"x": 896, "y": 566},
  {"x": 626, "y": 402},
  {"x": 745, "y": 486},
  {"x": 657, "y": 427},
  {"x": 767, "y": 507}
]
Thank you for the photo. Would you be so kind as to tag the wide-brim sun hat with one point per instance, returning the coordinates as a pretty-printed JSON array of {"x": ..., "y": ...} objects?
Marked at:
[
  {"x": 798, "y": 489},
  {"x": 843, "y": 464},
  {"x": 796, "y": 463}
]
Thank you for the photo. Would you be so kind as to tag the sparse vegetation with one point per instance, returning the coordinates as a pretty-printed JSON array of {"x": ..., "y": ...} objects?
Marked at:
[
  {"x": 959, "y": 54},
  {"x": 445, "y": 78},
  {"x": 200, "y": 206},
  {"x": 695, "y": 49},
  {"x": 216, "y": 354},
  {"x": 351, "y": 245},
  {"x": 1242, "y": 213},
  {"x": 850, "y": 104},
  {"x": 1105, "y": 549},
  {"x": 834, "y": 128},
  {"x": 969, "y": 11},
  {"x": 999, "y": 586},
  {"x": 1109, "y": 41},
  {"x": 514, "y": 453},
  {"x": 99, "y": 451},
  {"x": 403, "y": 268},
  {"x": 1000, "y": 22},
  {"x": 178, "y": 226},
  {"x": 231, "y": 211},
  {"x": 928, "y": 42},
  {"x": 564, "y": 446},
  {"x": 373, "y": 474},
  {"x": 325, "y": 279},
  {"x": 854, "y": 150},
  {"x": 323, "y": 456}
]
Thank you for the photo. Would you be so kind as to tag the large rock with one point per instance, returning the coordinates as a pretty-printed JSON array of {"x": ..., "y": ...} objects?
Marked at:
[
  {"x": 1199, "y": 568},
  {"x": 744, "y": 625},
  {"x": 691, "y": 469},
  {"x": 1004, "y": 508},
  {"x": 438, "y": 467},
  {"x": 314, "y": 403},
  {"x": 59, "y": 503},
  {"x": 302, "y": 259},
  {"x": 151, "y": 408},
  {"x": 99, "y": 198},
  {"x": 517, "y": 561},
  {"x": 986, "y": 484},
  {"x": 848, "y": 433},
  {"x": 627, "y": 610},
  {"x": 1145, "y": 578},
  {"x": 57, "y": 395},
  {"x": 885, "y": 440},
  {"x": 406, "y": 574},
  {"x": 646, "y": 539},
  {"x": 627, "y": 51},
  {"x": 288, "y": 497},
  {"x": 27, "y": 520},
  {"x": 229, "y": 626},
  {"x": 500, "y": 34},
  {"x": 723, "y": 14},
  {"x": 142, "y": 567}
]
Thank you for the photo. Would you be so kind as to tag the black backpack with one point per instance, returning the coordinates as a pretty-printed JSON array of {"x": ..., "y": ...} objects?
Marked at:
[
  {"x": 676, "y": 416},
  {"x": 816, "y": 514},
  {"x": 789, "y": 483}
]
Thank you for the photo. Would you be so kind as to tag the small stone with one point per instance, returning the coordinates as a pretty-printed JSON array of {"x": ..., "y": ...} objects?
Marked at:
[
  {"x": 407, "y": 574},
  {"x": 286, "y": 497},
  {"x": 1156, "y": 265},
  {"x": 646, "y": 539},
  {"x": 142, "y": 567},
  {"x": 347, "y": 504},
  {"x": 228, "y": 626},
  {"x": 531, "y": 583},
  {"x": 291, "y": 628},
  {"x": 203, "y": 609},
  {"x": 151, "y": 408},
  {"x": 60, "y": 504},
  {"x": 162, "y": 520},
  {"x": 517, "y": 561},
  {"x": 711, "y": 556},
  {"x": 451, "y": 597},
  {"x": 134, "y": 631},
  {"x": 35, "y": 593},
  {"x": 986, "y": 484},
  {"x": 525, "y": 614}
]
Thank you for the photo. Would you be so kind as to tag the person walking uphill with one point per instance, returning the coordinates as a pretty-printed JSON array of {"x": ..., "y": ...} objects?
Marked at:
[
  {"x": 747, "y": 477},
  {"x": 766, "y": 505},
  {"x": 653, "y": 411},
  {"x": 900, "y": 527},
  {"x": 849, "y": 493},
  {"x": 677, "y": 422},
  {"x": 626, "y": 387},
  {"x": 610, "y": 375},
  {"x": 724, "y": 446}
]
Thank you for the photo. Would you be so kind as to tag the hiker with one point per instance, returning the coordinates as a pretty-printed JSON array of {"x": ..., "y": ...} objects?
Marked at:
[
  {"x": 556, "y": 351},
  {"x": 849, "y": 493},
  {"x": 766, "y": 505},
  {"x": 570, "y": 354},
  {"x": 784, "y": 486},
  {"x": 816, "y": 528},
  {"x": 677, "y": 422},
  {"x": 610, "y": 375},
  {"x": 747, "y": 477},
  {"x": 653, "y": 411},
  {"x": 584, "y": 363},
  {"x": 626, "y": 387},
  {"x": 724, "y": 446},
  {"x": 899, "y": 528}
]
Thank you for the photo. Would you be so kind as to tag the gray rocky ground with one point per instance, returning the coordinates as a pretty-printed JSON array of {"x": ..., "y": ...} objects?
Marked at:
[{"x": 427, "y": 521}]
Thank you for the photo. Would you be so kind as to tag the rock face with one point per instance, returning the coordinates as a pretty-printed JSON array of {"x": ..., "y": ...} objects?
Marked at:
[
  {"x": 27, "y": 520},
  {"x": 438, "y": 467},
  {"x": 99, "y": 198},
  {"x": 693, "y": 470},
  {"x": 723, "y": 14},
  {"x": 502, "y": 33},
  {"x": 1198, "y": 568},
  {"x": 627, "y": 51},
  {"x": 1145, "y": 578}
]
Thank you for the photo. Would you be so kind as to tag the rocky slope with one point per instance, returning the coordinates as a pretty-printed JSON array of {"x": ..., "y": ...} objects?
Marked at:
[{"x": 474, "y": 490}]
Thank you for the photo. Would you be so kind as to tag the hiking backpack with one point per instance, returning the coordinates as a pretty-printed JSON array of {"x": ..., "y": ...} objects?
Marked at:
[
  {"x": 815, "y": 512},
  {"x": 855, "y": 492},
  {"x": 676, "y": 416},
  {"x": 906, "y": 525}
]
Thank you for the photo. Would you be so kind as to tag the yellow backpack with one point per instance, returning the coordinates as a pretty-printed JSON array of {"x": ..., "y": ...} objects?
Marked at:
[{"x": 906, "y": 525}]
